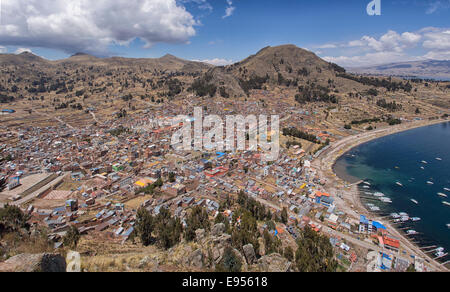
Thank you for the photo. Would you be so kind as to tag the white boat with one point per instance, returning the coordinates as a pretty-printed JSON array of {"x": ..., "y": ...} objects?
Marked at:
[
  {"x": 423, "y": 168},
  {"x": 446, "y": 203},
  {"x": 440, "y": 252},
  {"x": 447, "y": 189},
  {"x": 378, "y": 194},
  {"x": 395, "y": 215},
  {"x": 399, "y": 184},
  {"x": 415, "y": 219},
  {"x": 375, "y": 209},
  {"x": 415, "y": 201},
  {"x": 448, "y": 225},
  {"x": 403, "y": 214},
  {"x": 367, "y": 183},
  {"x": 442, "y": 195},
  {"x": 430, "y": 182},
  {"x": 385, "y": 200},
  {"x": 404, "y": 218},
  {"x": 424, "y": 162},
  {"x": 439, "y": 159},
  {"x": 411, "y": 232}
]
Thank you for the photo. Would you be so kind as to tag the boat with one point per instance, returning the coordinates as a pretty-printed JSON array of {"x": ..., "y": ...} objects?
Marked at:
[
  {"x": 446, "y": 203},
  {"x": 424, "y": 162},
  {"x": 415, "y": 201},
  {"x": 385, "y": 200},
  {"x": 366, "y": 183},
  {"x": 403, "y": 214},
  {"x": 366, "y": 187},
  {"x": 411, "y": 232},
  {"x": 415, "y": 219},
  {"x": 442, "y": 195},
  {"x": 378, "y": 194},
  {"x": 399, "y": 184},
  {"x": 447, "y": 189},
  {"x": 430, "y": 182},
  {"x": 375, "y": 208},
  {"x": 404, "y": 218},
  {"x": 423, "y": 168},
  {"x": 448, "y": 225},
  {"x": 395, "y": 215},
  {"x": 440, "y": 252},
  {"x": 439, "y": 159}
]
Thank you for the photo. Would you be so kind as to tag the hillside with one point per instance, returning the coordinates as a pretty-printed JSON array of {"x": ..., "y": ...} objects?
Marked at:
[{"x": 280, "y": 79}]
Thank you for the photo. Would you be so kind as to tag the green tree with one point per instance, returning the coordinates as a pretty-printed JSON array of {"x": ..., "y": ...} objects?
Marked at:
[
  {"x": 289, "y": 253},
  {"x": 171, "y": 177},
  {"x": 72, "y": 237},
  {"x": 246, "y": 232},
  {"x": 220, "y": 218},
  {"x": 230, "y": 262},
  {"x": 314, "y": 253},
  {"x": 271, "y": 243},
  {"x": 284, "y": 216},
  {"x": 144, "y": 226},
  {"x": 12, "y": 218},
  {"x": 168, "y": 229},
  {"x": 411, "y": 269},
  {"x": 198, "y": 219}
]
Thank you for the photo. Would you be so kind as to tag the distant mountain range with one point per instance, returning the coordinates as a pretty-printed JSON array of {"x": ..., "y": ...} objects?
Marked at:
[{"x": 430, "y": 69}]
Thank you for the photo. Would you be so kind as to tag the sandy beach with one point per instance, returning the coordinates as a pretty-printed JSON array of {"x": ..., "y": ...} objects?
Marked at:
[{"x": 346, "y": 192}]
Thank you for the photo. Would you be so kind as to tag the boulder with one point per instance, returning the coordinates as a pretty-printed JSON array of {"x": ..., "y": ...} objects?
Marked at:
[
  {"x": 249, "y": 253},
  {"x": 274, "y": 263},
  {"x": 223, "y": 240},
  {"x": 200, "y": 235},
  {"x": 218, "y": 229},
  {"x": 196, "y": 259},
  {"x": 43, "y": 262}
]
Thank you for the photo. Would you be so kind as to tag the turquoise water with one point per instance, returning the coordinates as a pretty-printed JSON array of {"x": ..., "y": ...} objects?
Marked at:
[{"x": 398, "y": 158}]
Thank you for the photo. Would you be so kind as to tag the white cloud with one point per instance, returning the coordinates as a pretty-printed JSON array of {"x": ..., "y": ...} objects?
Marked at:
[
  {"x": 427, "y": 43},
  {"x": 390, "y": 41},
  {"x": 437, "y": 55},
  {"x": 92, "y": 26},
  {"x": 202, "y": 4},
  {"x": 327, "y": 46},
  {"x": 437, "y": 40},
  {"x": 23, "y": 50},
  {"x": 437, "y": 5},
  {"x": 230, "y": 9},
  {"x": 216, "y": 62},
  {"x": 370, "y": 59}
]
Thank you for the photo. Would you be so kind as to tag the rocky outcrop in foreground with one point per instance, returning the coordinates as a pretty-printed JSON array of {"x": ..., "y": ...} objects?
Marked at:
[{"x": 34, "y": 263}]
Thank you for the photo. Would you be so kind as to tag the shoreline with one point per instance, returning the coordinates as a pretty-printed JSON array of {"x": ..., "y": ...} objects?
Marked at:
[{"x": 349, "y": 199}]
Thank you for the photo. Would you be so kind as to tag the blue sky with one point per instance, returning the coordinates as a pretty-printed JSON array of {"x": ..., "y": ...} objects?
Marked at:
[{"x": 225, "y": 31}]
